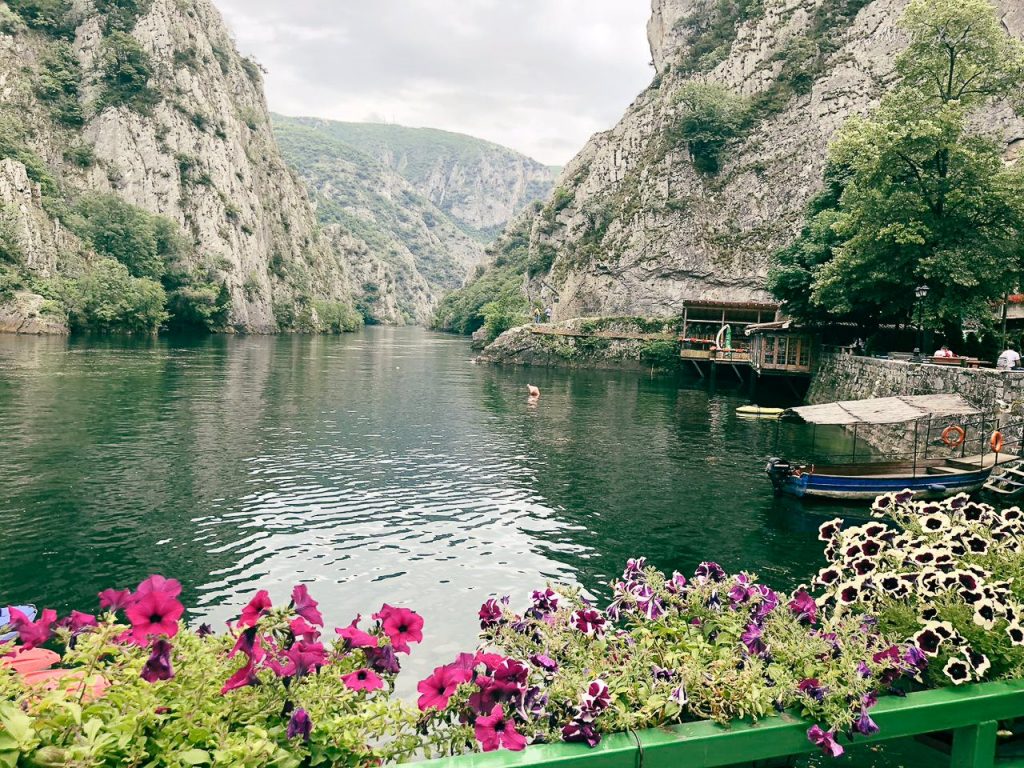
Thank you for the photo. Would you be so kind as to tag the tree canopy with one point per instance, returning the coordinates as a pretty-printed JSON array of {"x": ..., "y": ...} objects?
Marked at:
[{"x": 914, "y": 194}]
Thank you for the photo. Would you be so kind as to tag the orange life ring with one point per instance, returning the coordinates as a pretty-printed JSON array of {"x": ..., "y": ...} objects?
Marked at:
[
  {"x": 948, "y": 435},
  {"x": 996, "y": 443}
]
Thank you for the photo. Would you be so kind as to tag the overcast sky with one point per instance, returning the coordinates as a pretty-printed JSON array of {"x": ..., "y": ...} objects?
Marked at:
[{"x": 539, "y": 76}]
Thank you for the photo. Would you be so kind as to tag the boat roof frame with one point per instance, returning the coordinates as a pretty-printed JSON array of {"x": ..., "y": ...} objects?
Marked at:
[{"x": 882, "y": 410}]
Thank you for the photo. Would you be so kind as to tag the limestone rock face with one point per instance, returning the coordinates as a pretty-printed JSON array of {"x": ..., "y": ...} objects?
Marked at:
[
  {"x": 28, "y": 313},
  {"x": 203, "y": 156},
  {"x": 635, "y": 229}
]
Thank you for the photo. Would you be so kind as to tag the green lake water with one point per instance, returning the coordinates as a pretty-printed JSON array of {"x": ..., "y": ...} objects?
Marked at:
[{"x": 379, "y": 466}]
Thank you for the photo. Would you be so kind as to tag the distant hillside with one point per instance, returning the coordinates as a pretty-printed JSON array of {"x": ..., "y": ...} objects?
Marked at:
[{"x": 480, "y": 185}]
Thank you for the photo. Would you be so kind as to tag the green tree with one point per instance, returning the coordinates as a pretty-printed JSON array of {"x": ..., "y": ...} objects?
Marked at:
[
  {"x": 506, "y": 312},
  {"x": 125, "y": 233},
  {"x": 913, "y": 196},
  {"x": 51, "y": 16},
  {"x": 709, "y": 116},
  {"x": 58, "y": 83},
  {"x": 122, "y": 15},
  {"x": 125, "y": 71},
  {"x": 10, "y": 245},
  {"x": 107, "y": 298}
]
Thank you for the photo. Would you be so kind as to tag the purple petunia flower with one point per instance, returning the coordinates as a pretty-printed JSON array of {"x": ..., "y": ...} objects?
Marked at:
[
  {"x": 544, "y": 602},
  {"x": 544, "y": 662},
  {"x": 578, "y": 731},
  {"x": 205, "y": 630},
  {"x": 804, "y": 608},
  {"x": 383, "y": 659},
  {"x": 826, "y": 740},
  {"x": 864, "y": 724},
  {"x": 589, "y": 622},
  {"x": 634, "y": 568},
  {"x": 300, "y": 725},
  {"x": 676, "y": 584},
  {"x": 813, "y": 688},
  {"x": 490, "y": 614},
  {"x": 751, "y": 638},
  {"x": 709, "y": 572},
  {"x": 594, "y": 701},
  {"x": 533, "y": 703},
  {"x": 158, "y": 665}
]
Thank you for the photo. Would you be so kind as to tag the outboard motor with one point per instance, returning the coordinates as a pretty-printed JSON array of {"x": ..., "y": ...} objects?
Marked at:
[{"x": 778, "y": 470}]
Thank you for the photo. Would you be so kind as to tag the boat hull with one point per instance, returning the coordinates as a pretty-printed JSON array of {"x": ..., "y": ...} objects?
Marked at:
[{"x": 865, "y": 487}]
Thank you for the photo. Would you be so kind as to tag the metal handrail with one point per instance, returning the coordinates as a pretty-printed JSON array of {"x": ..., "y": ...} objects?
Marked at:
[{"x": 971, "y": 712}]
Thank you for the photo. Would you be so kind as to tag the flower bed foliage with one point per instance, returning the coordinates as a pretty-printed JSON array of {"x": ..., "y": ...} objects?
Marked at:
[{"x": 930, "y": 602}]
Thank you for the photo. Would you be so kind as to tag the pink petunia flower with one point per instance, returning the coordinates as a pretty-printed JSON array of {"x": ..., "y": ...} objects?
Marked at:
[
  {"x": 303, "y": 629},
  {"x": 437, "y": 689},
  {"x": 355, "y": 637},
  {"x": 401, "y": 625},
  {"x": 258, "y": 606},
  {"x": 363, "y": 680},
  {"x": 495, "y": 731},
  {"x": 32, "y": 633},
  {"x": 306, "y": 606},
  {"x": 157, "y": 583},
  {"x": 243, "y": 677},
  {"x": 154, "y": 613},
  {"x": 115, "y": 599}
]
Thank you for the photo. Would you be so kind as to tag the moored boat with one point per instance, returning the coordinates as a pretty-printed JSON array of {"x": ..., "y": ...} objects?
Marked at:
[{"x": 928, "y": 476}]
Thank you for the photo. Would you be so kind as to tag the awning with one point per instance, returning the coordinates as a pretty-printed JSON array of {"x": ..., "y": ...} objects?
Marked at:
[{"x": 882, "y": 410}]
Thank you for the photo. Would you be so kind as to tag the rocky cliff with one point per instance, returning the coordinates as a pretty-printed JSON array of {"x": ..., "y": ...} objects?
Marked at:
[
  {"x": 148, "y": 102},
  {"x": 635, "y": 226},
  {"x": 480, "y": 185}
]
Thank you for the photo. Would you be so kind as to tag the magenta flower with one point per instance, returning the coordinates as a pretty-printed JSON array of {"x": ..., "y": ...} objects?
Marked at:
[
  {"x": 813, "y": 688},
  {"x": 76, "y": 622},
  {"x": 154, "y": 613},
  {"x": 158, "y": 665},
  {"x": 306, "y": 606},
  {"x": 32, "y": 633},
  {"x": 495, "y": 731},
  {"x": 401, "y": 625},
  {"x": 579, "y": 731},
  {"x": 363, "y": 680},
  {"x": 490, "y": 613},
  {"x": 589, "y": 621},
  {"x": 306, "y": 657},
  {"x": 511, "y": 675},
  {"x": 303, "y": 629},
  {"x": 804, "y": 608},
  {"x": 115, "y": 599},
  {"x": 249, "y": 644},
  {"x": 258, "y": 606},
  {"x": 300, "y": 725},
  {"x": 242, "y": 678},
  {"x": 355, "y": 637},
  {"x": 436, "y": 690},
  {"x": 709, "y": 572},
  {"x": 157, "y": 583},
  {"x": 544, "y": 602},
  {"x": 825, "y": 740}
]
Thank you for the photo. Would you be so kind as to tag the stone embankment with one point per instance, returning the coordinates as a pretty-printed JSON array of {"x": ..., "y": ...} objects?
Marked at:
[{"x": 999, "y": 395}]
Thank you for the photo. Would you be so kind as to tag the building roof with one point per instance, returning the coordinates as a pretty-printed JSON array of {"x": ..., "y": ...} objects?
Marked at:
[{"x": 882, "y": 410}]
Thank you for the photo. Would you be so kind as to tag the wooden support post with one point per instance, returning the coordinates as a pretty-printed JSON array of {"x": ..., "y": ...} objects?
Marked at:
[{"x": 974, "y": 746}]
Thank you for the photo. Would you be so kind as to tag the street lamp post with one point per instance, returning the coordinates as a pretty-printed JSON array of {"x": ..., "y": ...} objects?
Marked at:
[{"x": 921, "y": 292}]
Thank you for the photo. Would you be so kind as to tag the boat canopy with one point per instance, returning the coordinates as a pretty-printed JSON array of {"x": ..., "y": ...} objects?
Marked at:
[{"x": 882, "y": 410}]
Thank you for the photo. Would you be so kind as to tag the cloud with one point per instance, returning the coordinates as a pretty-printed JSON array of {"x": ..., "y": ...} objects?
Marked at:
[{"x": 536, "y": 75}]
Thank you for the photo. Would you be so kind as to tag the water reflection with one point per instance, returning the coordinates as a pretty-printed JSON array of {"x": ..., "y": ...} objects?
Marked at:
[{"x": 379, "y": 466}]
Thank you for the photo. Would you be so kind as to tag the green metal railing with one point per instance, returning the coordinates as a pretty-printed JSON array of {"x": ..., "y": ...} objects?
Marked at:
[{"x": 970, "y": 712}]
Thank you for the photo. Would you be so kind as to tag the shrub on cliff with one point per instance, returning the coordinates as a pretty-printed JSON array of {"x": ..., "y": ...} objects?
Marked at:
[
  {"x": 709, "y": 116},
  {"x": 507, "y": 312},
  {"x": 125, "y": 72},
  {"x": 108, "y": 298},
  {"x": 51, "y": 16}
]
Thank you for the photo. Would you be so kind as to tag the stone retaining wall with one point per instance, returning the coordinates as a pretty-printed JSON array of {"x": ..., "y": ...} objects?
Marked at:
[{"x": 998, "y": 394}]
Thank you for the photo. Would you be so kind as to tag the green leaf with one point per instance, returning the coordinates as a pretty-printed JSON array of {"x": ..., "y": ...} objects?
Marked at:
[{"x": 195, "y": 757}]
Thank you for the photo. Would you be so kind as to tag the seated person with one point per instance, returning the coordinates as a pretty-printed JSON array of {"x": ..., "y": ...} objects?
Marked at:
[
  {"x": 1009, "y": 358},
  {"x": 944, "y": 351}
]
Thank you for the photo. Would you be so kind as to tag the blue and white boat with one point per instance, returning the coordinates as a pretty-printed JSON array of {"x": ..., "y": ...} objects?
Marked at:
[{"x": 935, "y": 430}]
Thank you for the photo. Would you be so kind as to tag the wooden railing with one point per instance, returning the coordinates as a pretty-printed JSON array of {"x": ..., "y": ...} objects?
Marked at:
[{"x": 971, "y": 713}]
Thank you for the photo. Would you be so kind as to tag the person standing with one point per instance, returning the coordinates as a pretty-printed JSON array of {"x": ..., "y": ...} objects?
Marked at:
[
  {"x": 1009, "y": 359},
  {"x": 548, "y": 313}
]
